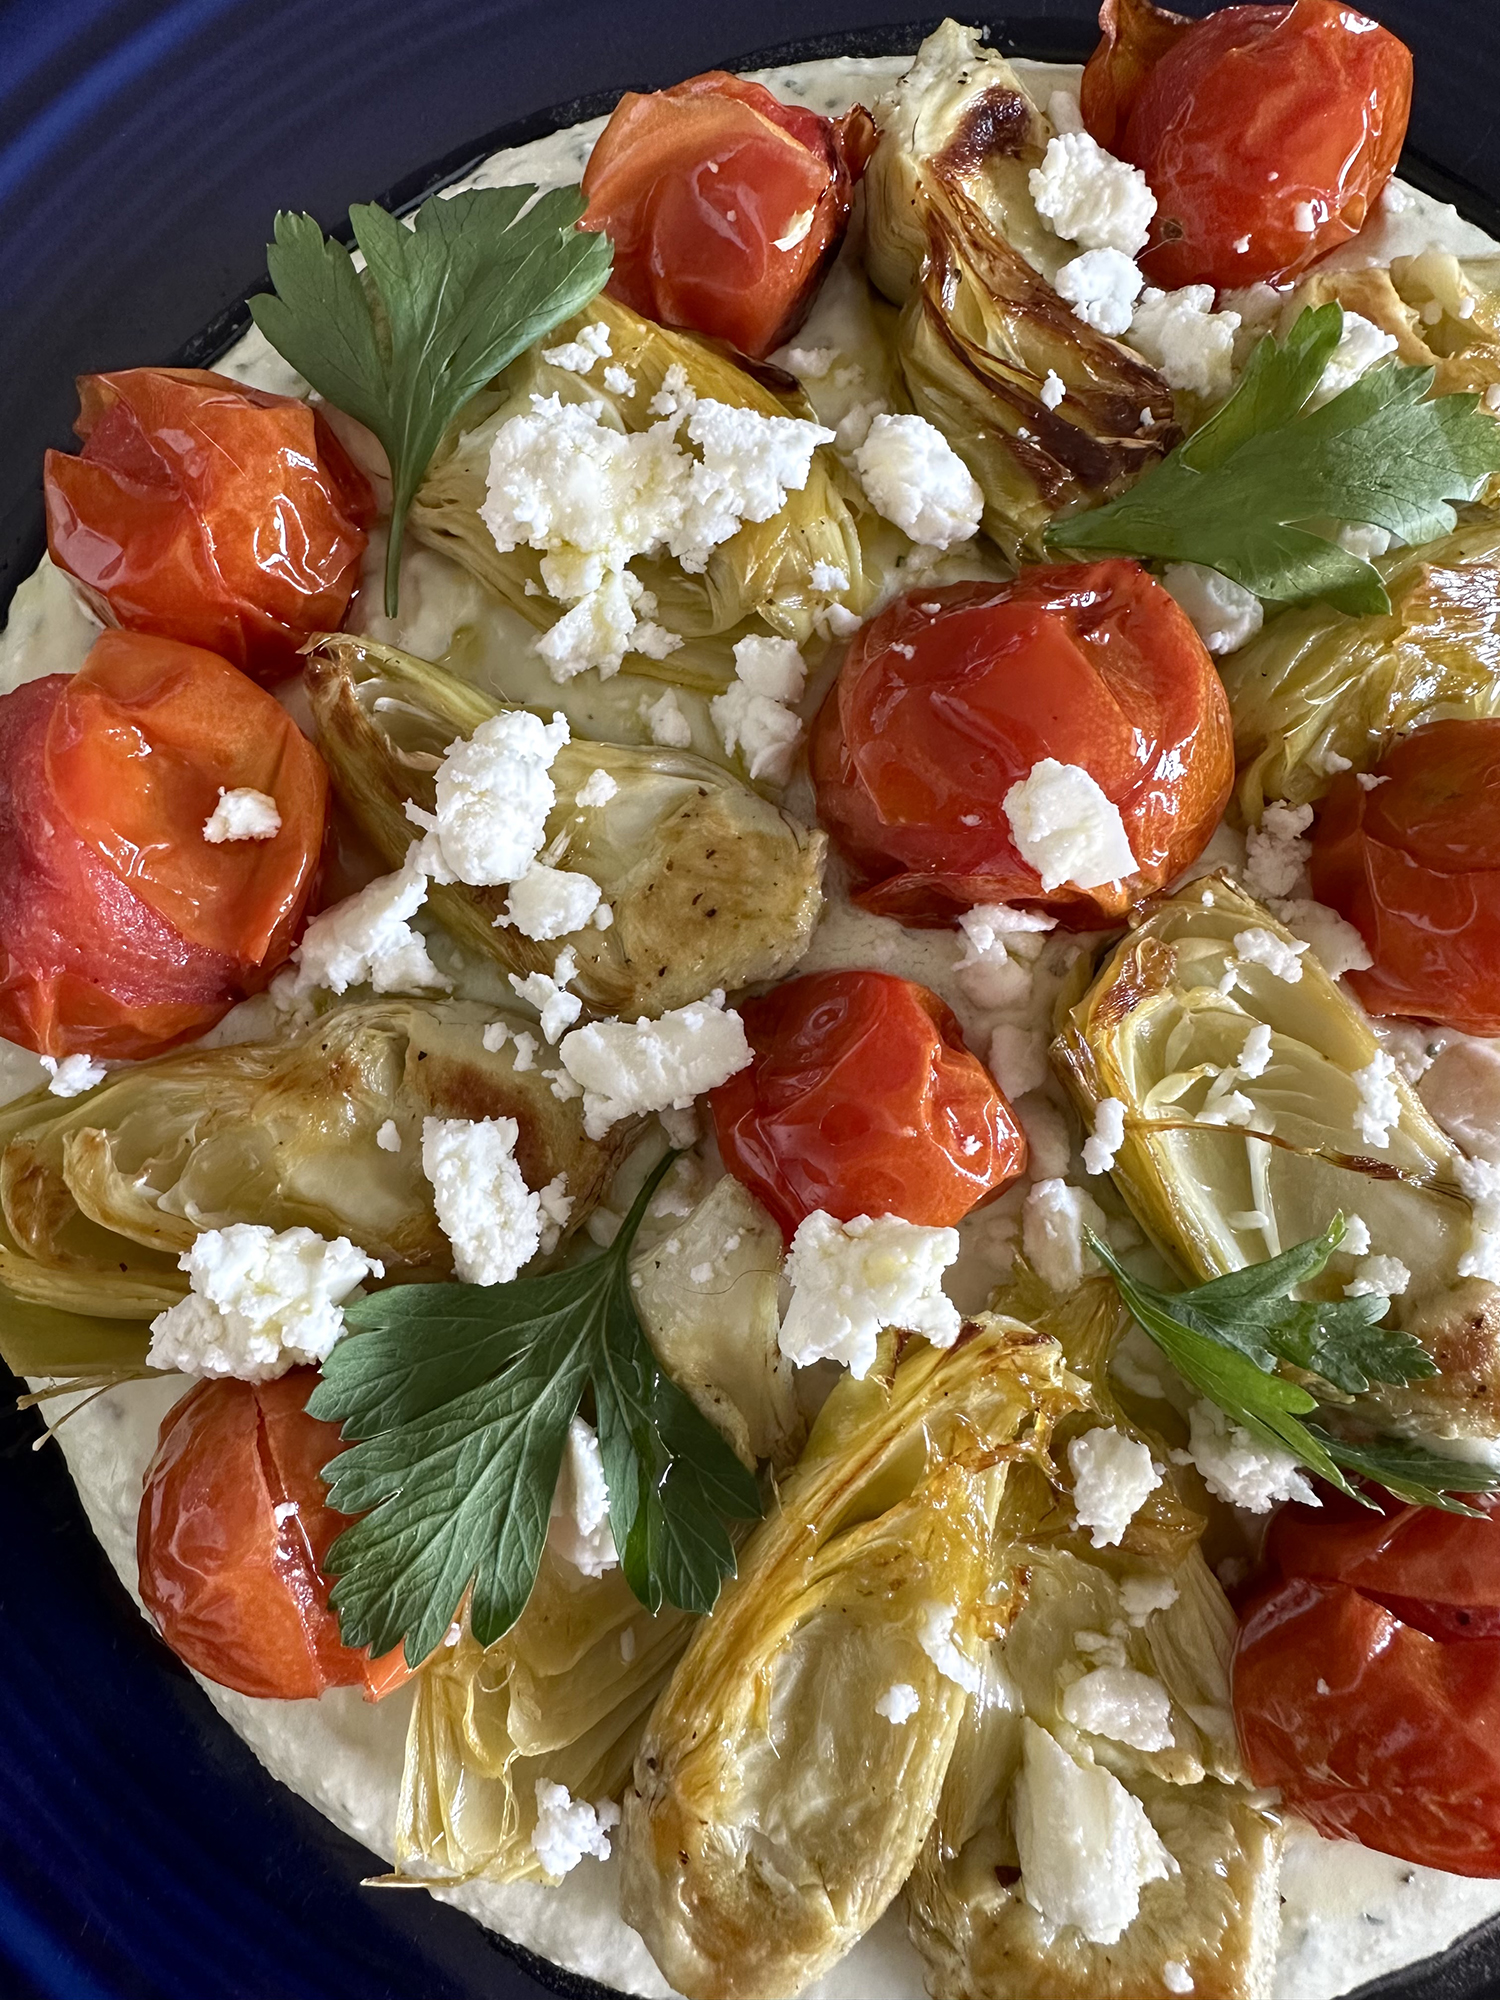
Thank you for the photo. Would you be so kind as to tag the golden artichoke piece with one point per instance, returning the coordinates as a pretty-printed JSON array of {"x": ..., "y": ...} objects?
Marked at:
[
  {"x": 102, "y": 1194},
  {"x": 774, "y": 1813},
  {"x": 1317, "y": 681},
  {"x": 1156, "y": 1031},
  {"x": 706, "y": 1292},
  {"x": 709, "y": 883},
  {"x": 1442, "y": 311},
  {"x": 563, "y": 1697},
  {"x": 763, "y": 572}
]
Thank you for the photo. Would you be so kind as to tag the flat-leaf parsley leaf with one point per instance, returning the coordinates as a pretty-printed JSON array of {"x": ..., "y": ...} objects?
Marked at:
[
  {"x": 461, "y": 1397},
  {"x": 445, "y": 305},
  {"x": 1239, "y": 493}
]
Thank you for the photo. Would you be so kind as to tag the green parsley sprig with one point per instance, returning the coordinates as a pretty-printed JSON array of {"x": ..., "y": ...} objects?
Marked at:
[
  {"x": 445, "y": 306},
  {"x": 461, "y": 1397},
  {"x": 1238, "y": 493},
  {"x": 1228, "y": 1337}
]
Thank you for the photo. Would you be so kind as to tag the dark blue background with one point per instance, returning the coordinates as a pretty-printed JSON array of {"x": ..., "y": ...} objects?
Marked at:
[{"x": 143, "y": 150}]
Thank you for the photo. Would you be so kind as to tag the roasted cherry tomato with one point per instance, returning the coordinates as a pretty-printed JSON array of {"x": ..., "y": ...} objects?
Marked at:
[
  {"x": 233, "y": 1529},
  {"x": 1267, "y": 133},
  {"x": 951, "y": 696},
  {"x": 1414, "y": 864},
  {"x": 121, "y": 927},
  {"x": 1367, "y": 1679},
  {"x": 723, "y": 204},
  {"x": 207, "y": 512},
  {"x": 863, "y": 1100}
]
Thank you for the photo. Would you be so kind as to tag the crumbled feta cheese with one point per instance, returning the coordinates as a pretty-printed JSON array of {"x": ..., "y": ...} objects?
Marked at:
[
  {"x": 1238, "y": 1468},
  {"x": 525, "y": 1055},
  {"x": 851, "y": 1280},
  {"x": 1102, "y": 287},
  {"x": 1258, "y": 946},
  {"x": 1224, "y": 614},
  {"x": 261, "y": 1302},
  {"x": 388, "y": 1138},
  {"x": 1018, "y": 1058},
  {"x": 1108, "y": 1136},
  {"x": 771, "y": 667},
  {"x": 494, "y": 792},
  {"x": 567, "y": 1829},
  {"x": 558, "y": 1008},
  {"x": 619, "y": 382},
  {"x": 749, "y": 464},
  {"x": 1336, "y": 944},
  {"x": 751, "y": 716},
  {"x": 1052, "y": 1222},
  {"x": 1361, "y": 345},
  {"x": 1480, "y": 1181},
  {"x": 935, "y": 1637},
  {"x": 597, "y": 789},
  {"x": 72, "y": 1075},
  {"x": 1122, "y": 1704},
  {"x": 668, "y": 725},
  {"x": 1386, "y": 1277},
  {"x": 1379, "y": 1100},
  {"x": 1053, "y": 389},
  {"x": 1182, "y": 336},
  {"x": 1361, "y": 539},
  {"x": 368, "y": 937},
  {"x": 550, "y": 903},
  {"x": 484, "y": 1207},
  {"x": 1356, "y": 1241},
  {"x": 1090, "y": 197},
  {"x": 811, "y": 363},
  {"x": 600, "y": 629},
  {"x": 578, "y": 1528},
  {"x": 1086, "y": 1846},
  {"x": 828, "y": 578},
  {"x": 1176, "y": 1977},
  {"x": 625, "y": 1067},
  {"x": 1067, "y": 828},
  {"x": 1276, "y": 853},
  {"x": 913, "y": 477},
  {"x": 1255, "y": 1056},
  {"x": 899, "y": 1703},
  {"x": 1113, "y": 1477},
  {"x": 1223, "y": 1104},
  {"x": 242, "y": 814},
  {"x": 1141, "y": 1595},
  {"x": 580, "y": 355}
]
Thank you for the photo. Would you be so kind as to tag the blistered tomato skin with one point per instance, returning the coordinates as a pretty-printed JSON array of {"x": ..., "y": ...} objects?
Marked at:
[
  {"x": 233, "y": 1529},
  {"x": 1379, "y": 1724},
  {"x": 1267, "y": 133},
  {"x": 206, "y": 512},
  {"x": 724, "y": 205},
  {"x": 953, "y": 695},
  {"x": 862, "y": 1099},
  {"x": 1414, "y": 865},
  {"x": 121, "y": 928}
]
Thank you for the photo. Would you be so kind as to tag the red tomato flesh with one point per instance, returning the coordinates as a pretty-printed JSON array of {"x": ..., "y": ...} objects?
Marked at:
[
  {"x": 85, "y": 964},
  {"x": 1367, "y": 1679},
  {"x": 145, "y": 737},
  {"x": 210, "y": 513},
  {"x": 952, "y": 695},
  {"x": 1414, "y": 865},
  {"x": 861, "y": 1099},
  {"x": 233, "y": 1529},
  {"x": 1267, "y": 133},
  {"x": 724, "y": 205}
]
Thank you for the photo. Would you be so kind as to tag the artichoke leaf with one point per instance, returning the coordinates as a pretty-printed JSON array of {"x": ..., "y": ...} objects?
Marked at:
[
  {"x": 761, "y": 577},
  {"x": 710, "y": 885},
  {"x": 745, "y": 1877},
  {"x": 1158, "y": 1031},
  {"x": 279, "y": 1132},
  {"x": 1317, "y": 681},
  {"x": 42, "y": 1343},
  {"x": 706, "y": 1292}
]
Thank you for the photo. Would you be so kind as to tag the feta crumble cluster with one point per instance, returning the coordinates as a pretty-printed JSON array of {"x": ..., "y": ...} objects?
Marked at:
[
  {"x": 71, "y": 1076},
  {"x": 625, "y": 1068},
  {"x": 484, "y": 1207},
  {"x": 935, "y": 1637},
  {"x": 578, "y": 1528},
  {"x": 260, "y": 1303},
  {"x": 1185, "y": 340},
  {"x": 1086, "y": 1845},
  {"x": 1122, "y": 1704},
  {"x": 567, "y": 1829},
  {"x": 1113, "y": 1477},
  {"x": 1052, "y": 1224},
  {"x": 914, "y": 478},
  {"x": 1238, "y": 1468},
  {"x": 1104, "y": 205},
  {"x": 851, "y": 1280},
  {"x": 368, "y": 938},
  {"x": 242, "y": 814},
  {"x": 899, "y": 1703},
  {"x": 1067, "y": 828},
  {"x": 1224, "y": 614},
  {"x": 755, "y": 714},
  {"x": 494, "y": 792}
]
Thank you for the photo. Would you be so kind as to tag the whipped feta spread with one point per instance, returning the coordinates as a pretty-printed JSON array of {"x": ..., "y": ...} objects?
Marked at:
[{"x": 1349, "y": 1915}]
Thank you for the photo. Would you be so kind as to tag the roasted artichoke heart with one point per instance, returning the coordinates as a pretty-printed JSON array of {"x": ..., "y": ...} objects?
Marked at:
[
  {"x": 710, "y": 885},
  {"x": 1162, "y": 1029},
  {"x": 774, "y": 1812},
  {"x": 1318, "y": 681},
  {"x": 100, "y": 1195},
  {"x": 563, "y": 1697},
  {"x": 764, "y": 572}
]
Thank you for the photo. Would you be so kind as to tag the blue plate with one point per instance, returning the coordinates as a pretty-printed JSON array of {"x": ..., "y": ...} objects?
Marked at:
[{"x": 144, "y": 1854}]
